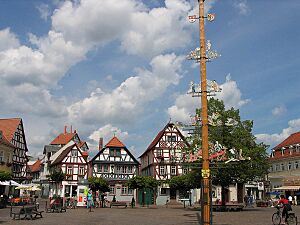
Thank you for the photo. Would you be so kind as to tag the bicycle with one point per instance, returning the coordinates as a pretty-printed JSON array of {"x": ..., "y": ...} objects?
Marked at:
[{"x": 276, "y": 217}]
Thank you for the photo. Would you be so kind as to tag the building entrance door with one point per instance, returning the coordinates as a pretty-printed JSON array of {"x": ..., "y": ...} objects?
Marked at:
[{"x": 172, "y": 193}]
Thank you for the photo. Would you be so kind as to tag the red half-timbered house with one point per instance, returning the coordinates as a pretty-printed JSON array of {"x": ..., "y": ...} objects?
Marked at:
[
  {"x": 163, "y": 159},
  {"x": 13, "y": 130},
  {"x": 117, "y": 165},
  {"x": 72, "y": 162}
]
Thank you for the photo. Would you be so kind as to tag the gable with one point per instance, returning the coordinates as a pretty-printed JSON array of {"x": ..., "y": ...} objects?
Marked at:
[{"x": 162, "y": 137}]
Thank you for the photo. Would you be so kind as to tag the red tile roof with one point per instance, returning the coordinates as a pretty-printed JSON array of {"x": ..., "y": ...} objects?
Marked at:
[
  {"x": 9, "y": 127},
  {"x": 4, "y": 141},
  {"x": 115, "y": 142},
  {"x": 35, "y": 167},
  {"x": 291, "y": 140},
  {"x": 63, "y": 139}
]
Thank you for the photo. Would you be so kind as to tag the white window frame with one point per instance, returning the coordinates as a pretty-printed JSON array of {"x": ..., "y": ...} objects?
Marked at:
[
  {"x": 70, "y": 168},
  {"x": 162, "y": 170},
  {"x": 173, "y": 170},
  {"x": 111, "y": 190},
  {"x": 81, "y": 170}
]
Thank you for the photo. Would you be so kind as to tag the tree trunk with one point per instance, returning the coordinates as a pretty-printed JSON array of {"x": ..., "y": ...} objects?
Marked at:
[{"x": 223, "y": 198}]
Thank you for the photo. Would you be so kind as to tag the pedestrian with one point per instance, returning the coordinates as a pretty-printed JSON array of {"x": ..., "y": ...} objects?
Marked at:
[
  {"x": 295, "y": 199},
  {"x": 90, "y": 200},
  {"x": 246, "y": 200},
  {"x": 290, "y": 200},
  {"x": 284, "y": 203}
]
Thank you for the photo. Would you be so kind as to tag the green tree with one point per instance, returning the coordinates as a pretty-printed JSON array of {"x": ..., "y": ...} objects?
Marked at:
[
  {"x": 4, "y": 175},
  {"x": 238, "y": 135},
  {"x": 98, "y": 184},
  {"x": 56, "y": 176}
]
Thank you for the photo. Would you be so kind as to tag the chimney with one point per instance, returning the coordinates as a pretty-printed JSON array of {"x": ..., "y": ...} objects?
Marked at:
[
  {"x": 65, "y": 131},
  {"x": 100, "y": 143},
  {"x": 71, "y": 129}
]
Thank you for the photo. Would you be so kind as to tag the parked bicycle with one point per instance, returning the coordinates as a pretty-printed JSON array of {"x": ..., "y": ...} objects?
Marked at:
[{"x": 277, "y": 217}]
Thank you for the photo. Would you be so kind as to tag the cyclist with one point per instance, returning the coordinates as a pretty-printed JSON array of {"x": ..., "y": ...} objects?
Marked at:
[{"x": 284, "y": 203}]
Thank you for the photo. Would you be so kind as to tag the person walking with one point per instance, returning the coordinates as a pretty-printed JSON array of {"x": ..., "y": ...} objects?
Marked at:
[
  {"x": 290, "y": 200},
  {"x": 90, "y": 200}
]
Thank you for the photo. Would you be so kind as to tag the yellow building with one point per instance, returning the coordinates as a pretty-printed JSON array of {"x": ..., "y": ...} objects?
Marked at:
[{"x": 6, "y": 154}]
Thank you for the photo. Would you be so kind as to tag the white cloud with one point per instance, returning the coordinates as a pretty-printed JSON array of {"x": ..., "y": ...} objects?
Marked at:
[
  {"x": 8, "y": 40},
  {"x": 131, "y": 95},
  {"x": 279, "y": 110},
  {"x": 185, "y": 105},
  {"x": 107, "y": 132},
  {"x": 275, "y": 139},
  {"x": 44, "y": 11},
  {"x": 154, "y": 31},
  {"x": 231, "y": 94},
  {"x": 242, "y": 6}
]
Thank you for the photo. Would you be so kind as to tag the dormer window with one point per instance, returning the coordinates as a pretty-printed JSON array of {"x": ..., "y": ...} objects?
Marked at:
[
  {"x": 297, "y": 148},
  {"x": 282, "y": 151}
]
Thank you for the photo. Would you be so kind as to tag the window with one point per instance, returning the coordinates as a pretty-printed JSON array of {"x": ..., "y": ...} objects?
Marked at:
[
  {"x": 118, "y": 169},
  {"x": 282, "y": 166},
  {"x": 74, "y": 153},
  {"x": 105, "y": 168},
  {"x": 1, "y": 156},
  {"x": 163, "y": 191},
  {"x": 124, "y": 169},
  {"x": 99, "y": 168},
  {"x": 185, "y": 170},
  {"x": 296, "y": 165},
  {"x": 129, "y": 169},
  {"x": 70, "y": 170},
  {"x": 159, "y": 152},
  {"x": 124, "y": 190},
  {"x": 81, "y": 170},
  {"x": 111, "y": 190},
  {"x": 173, "y": 170},
  {"x": 289, "y": 166},
  {"x": 162, "y": 170},
  {"x": 118, "y": 152},
  {"x": 172, "y": 138},
  {"x": 111, "y": 152},
  {"x": 130, "y": 191}
]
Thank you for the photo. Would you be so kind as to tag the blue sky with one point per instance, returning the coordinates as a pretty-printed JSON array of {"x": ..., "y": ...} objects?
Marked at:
[{"x": 109, "y": 66}]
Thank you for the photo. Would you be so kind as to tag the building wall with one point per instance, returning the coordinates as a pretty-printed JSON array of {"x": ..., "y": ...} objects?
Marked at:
[{"x": 7, "y": 153}]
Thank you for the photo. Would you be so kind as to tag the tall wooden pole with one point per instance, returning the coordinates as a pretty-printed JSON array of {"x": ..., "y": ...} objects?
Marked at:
[{"x": 206, "y": 202}]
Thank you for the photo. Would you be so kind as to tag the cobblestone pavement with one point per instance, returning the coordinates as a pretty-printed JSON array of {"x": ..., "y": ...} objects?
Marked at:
[{"x": 146, "y": 216}]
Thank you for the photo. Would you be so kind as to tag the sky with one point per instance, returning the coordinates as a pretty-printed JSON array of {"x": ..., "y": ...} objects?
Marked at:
[{"x": 110, "y": 67}]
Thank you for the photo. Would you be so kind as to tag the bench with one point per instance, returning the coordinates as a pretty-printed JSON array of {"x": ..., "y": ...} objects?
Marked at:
[
  {"x": 118, "y": 204},
  {"x": 29, "y": 212}
]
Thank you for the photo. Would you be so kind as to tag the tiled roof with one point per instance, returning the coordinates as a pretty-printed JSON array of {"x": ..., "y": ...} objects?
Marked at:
[
  {"x": 63, "y": 154},
  {"x": 115, "y": 142},
  {"x": 291, "y": 140},
  {"x": 9, "y": 127},
  {"x": 36, "y": 166},
  {"x": 85, "y": 154},
  {"x": 4, "y": 141},
  {"x": 63, "y": 139}
]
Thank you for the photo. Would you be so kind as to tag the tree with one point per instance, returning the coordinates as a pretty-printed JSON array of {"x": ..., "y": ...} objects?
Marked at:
[
  {"x": 4, "y": 175},
  {"x": 142, "y": 183},
  {"x": 231, "y": 132},
  {"x": 98, "y": 184},
  {"x": 56, "y": 176}
]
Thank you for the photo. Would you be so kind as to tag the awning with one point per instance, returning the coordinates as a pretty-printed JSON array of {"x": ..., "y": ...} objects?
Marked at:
[
  {"x": 289, "y": 188},
  {"x": 9, "y": 183}
]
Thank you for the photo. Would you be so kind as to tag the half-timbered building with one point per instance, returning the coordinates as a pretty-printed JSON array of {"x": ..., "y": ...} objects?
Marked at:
[
  {"x": 13, "y": 132},
  {"x": 163, "y": 159},
  {"x": 72, "y": 162},
  {"x": 55, "y": 148},
  {"x": 117, "y": 165}
]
